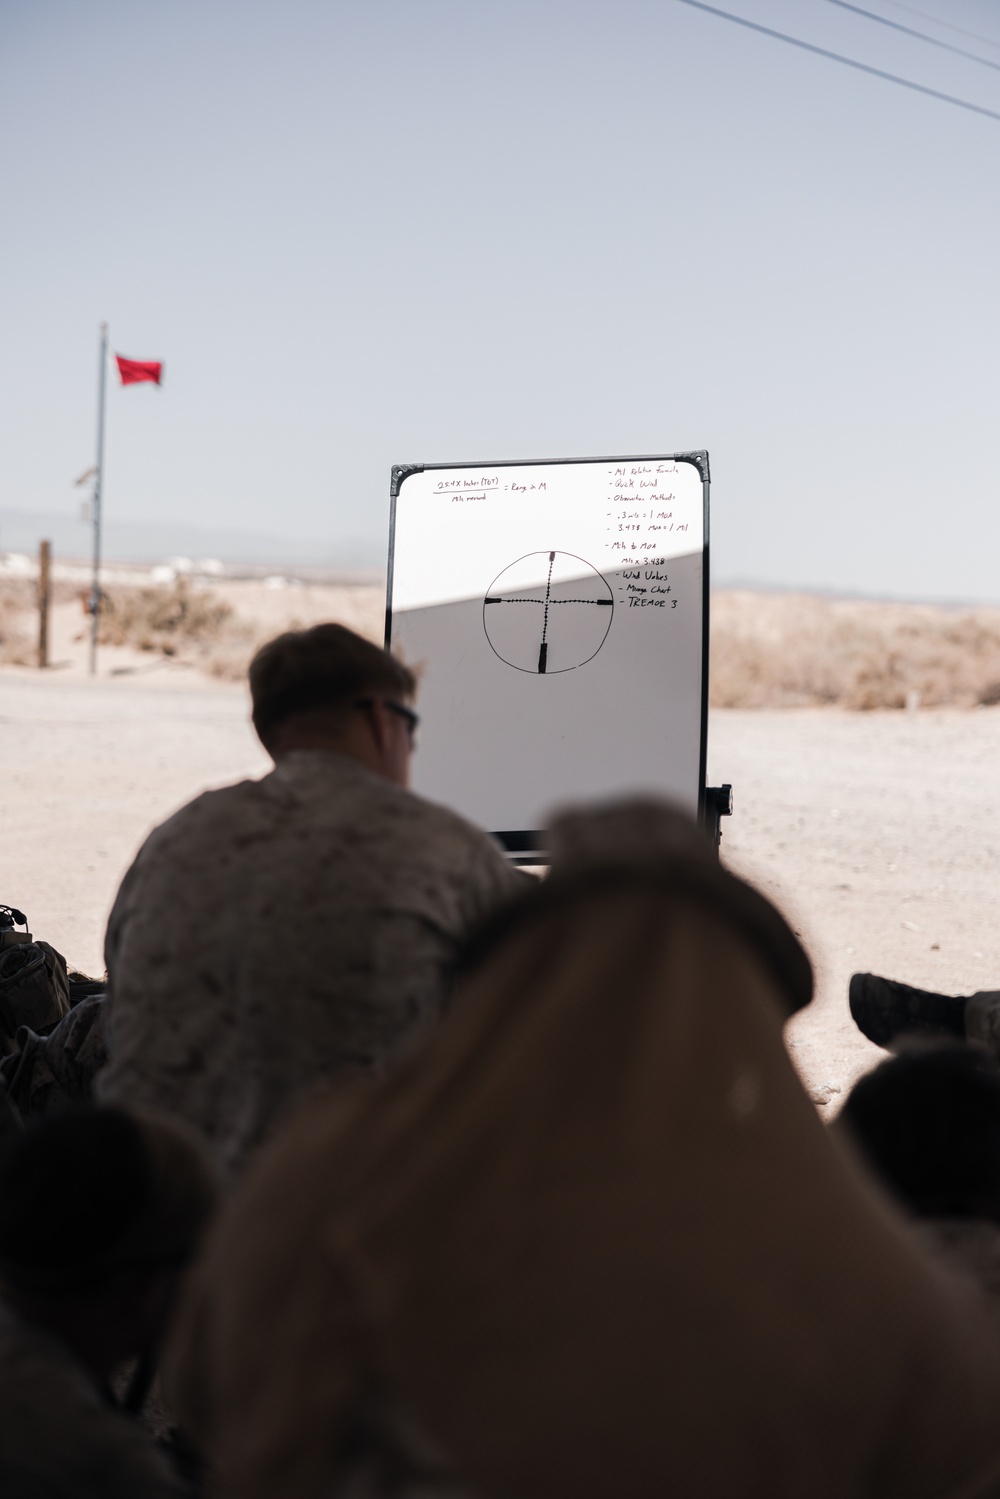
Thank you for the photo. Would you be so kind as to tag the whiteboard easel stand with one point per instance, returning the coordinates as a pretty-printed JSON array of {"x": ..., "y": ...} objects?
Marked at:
[{"x": 714, "y": 802}]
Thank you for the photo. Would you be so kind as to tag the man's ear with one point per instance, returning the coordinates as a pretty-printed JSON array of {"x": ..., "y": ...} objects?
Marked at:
[{"x": 378, "y": 720}]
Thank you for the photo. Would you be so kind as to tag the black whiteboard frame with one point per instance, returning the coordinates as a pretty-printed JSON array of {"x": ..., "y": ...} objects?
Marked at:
[{"x": 523, "y": 847}]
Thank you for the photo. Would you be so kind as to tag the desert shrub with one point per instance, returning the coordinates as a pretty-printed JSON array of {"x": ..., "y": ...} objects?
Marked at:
[
  {"x": 169, "y": 620},
  {"x": 229, "y": 658},
  {"x": 787, "y": 650},
  {"x": 216, "y": 629},
  {"x": 17, "y": 600},
  {"x": 361, "y": 608}
]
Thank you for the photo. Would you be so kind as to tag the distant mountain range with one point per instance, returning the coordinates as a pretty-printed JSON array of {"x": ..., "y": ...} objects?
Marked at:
[{"x": 155, "y": 541}]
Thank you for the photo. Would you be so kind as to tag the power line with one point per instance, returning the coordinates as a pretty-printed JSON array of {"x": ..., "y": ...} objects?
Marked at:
[
  {"x": 947, "y": 25},
  {"x": 922, "y": 36},
  {"x": 849, "y": 62}
]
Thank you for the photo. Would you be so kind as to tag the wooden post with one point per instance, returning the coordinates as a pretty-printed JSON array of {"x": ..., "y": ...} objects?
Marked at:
[{"x": 44, "y": 557}]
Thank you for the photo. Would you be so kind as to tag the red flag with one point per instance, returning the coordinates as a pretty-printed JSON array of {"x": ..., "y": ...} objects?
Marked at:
[{"x": 133, "y": 371}]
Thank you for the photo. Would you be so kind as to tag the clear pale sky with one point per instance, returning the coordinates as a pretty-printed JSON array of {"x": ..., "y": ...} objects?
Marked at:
[{"x": 400, "y": 230}]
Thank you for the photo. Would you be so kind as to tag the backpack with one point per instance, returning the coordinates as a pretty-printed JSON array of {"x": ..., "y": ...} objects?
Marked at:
[{"x": 34, "y": 986}]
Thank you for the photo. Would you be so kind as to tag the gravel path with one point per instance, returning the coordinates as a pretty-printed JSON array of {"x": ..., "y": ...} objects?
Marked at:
[{"x": 878, "y": 833}]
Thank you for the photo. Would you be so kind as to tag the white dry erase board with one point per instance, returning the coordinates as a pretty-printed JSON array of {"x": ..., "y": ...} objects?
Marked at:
[{"x": 558, "y": 616}]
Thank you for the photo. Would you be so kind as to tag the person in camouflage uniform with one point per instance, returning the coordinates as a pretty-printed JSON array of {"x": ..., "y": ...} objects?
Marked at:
[{"x": 298, "y": 928}]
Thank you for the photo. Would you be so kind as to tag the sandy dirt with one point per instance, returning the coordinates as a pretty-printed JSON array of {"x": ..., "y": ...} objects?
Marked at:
[
  {"x": 877, "y": 833},
  {"x": 86, "y": 769}
]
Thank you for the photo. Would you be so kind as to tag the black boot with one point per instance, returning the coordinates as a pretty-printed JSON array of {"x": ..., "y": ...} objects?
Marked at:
[{"x": 884, "y": 1009}]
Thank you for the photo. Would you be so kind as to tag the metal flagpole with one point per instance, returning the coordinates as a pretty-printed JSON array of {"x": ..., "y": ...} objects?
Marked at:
[{"x": 95, "y": 586}]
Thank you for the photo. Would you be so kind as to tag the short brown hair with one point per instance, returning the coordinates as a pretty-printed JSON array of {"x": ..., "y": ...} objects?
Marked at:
[{"x": 328, "y": 666}]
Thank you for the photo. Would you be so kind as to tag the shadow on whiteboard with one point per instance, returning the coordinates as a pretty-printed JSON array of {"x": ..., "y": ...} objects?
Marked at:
[{"x": 560, "y": 682}]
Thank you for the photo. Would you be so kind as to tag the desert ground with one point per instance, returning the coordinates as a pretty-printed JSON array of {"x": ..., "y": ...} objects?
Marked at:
[
  {"x": 878, "y": 835},
  {"x": 877, "y": 832}
]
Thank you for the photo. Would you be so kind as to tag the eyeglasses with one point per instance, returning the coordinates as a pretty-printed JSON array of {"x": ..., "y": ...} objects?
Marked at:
[{"x": 411, "y": 719}]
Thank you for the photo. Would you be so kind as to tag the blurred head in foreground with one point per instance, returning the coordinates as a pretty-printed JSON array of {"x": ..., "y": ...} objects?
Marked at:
[
  {"x": 594, "y": 1239},
  {"x": 328, "y": 688},
  {"x": 100, "y": 1213},
  {"x": 928, "y": 1123}
]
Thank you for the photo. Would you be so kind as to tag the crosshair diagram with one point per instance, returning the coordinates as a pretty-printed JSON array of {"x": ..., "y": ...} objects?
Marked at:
[{"x": 548, "y": 612}]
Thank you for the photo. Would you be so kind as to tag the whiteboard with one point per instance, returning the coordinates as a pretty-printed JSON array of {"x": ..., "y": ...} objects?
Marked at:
[{"x": 557, "y": 616}]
